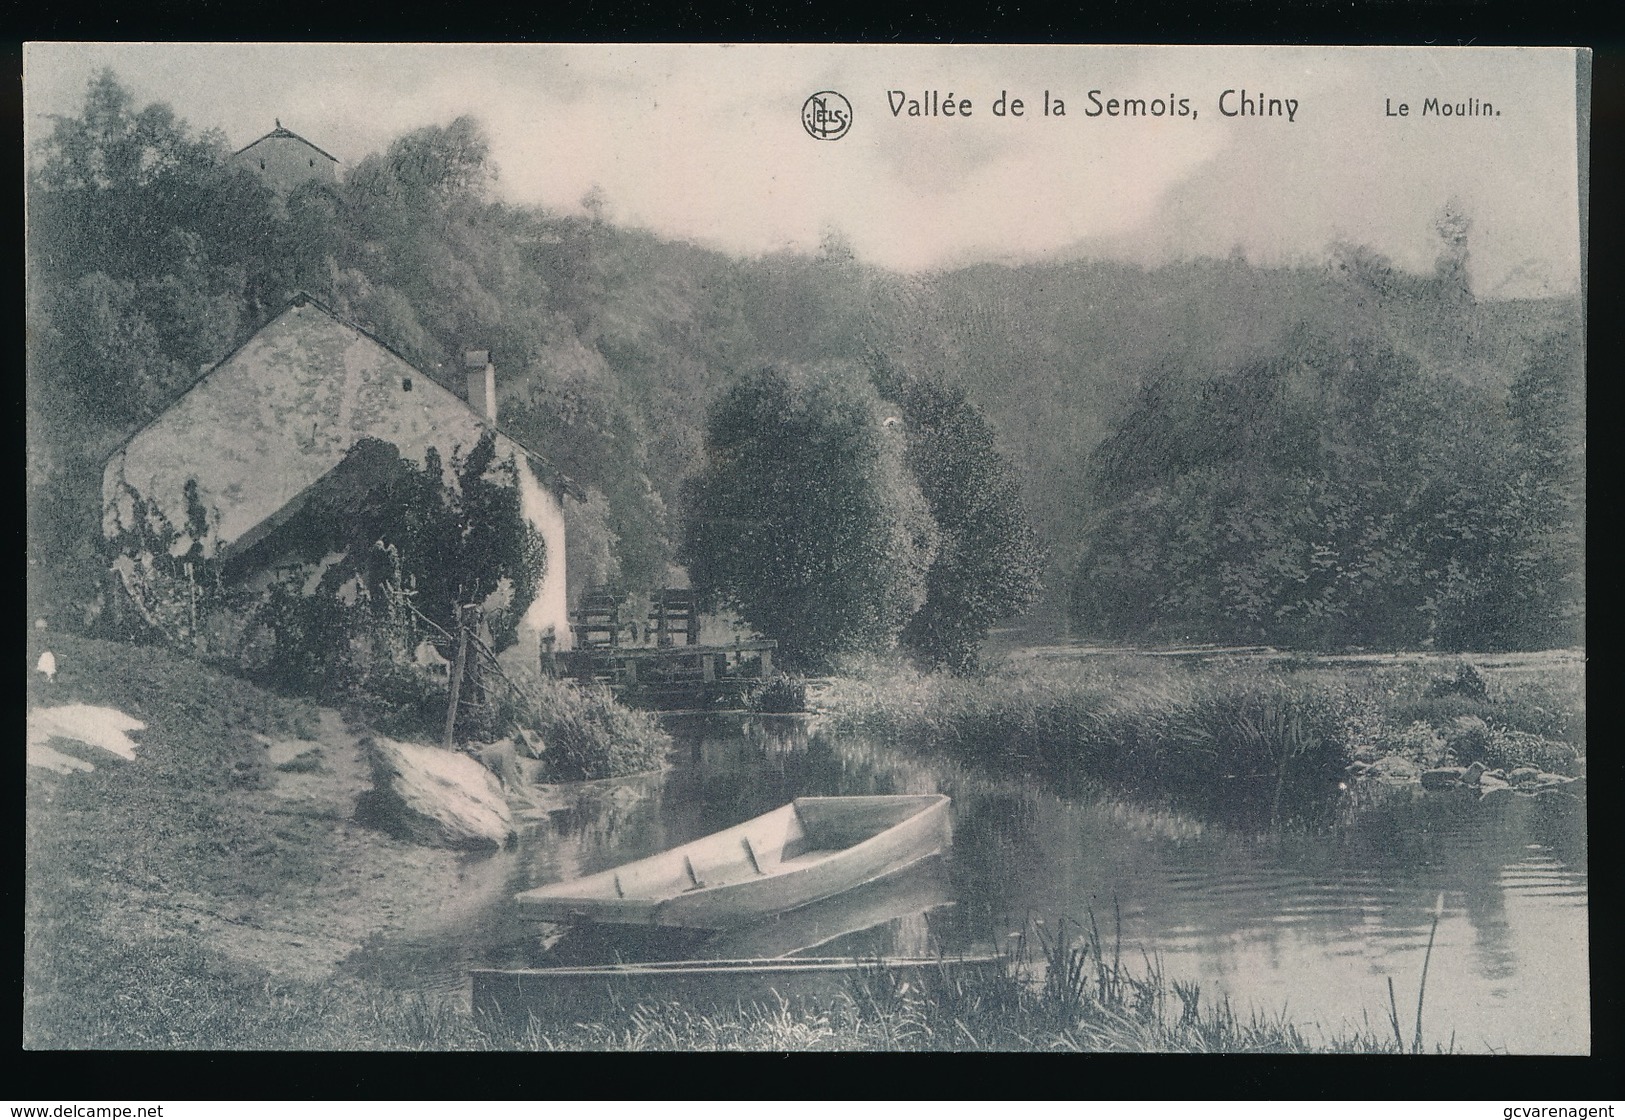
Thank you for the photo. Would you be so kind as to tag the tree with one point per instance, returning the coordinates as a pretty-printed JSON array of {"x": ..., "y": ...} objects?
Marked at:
[
  {"x": 1344, "y": 493},
  {"x": 428, "y": 172},
  {"x": 988, "y": 561},
  {"x": 593, "y": 433},
  {"x": 1531, "y": 590},
  {"x": 111, "y": 146},
  {"x": 805, "y": 518}
]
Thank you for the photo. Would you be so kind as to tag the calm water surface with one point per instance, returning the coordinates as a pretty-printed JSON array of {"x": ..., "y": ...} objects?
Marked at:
[{"x": 1312, "y": 924}]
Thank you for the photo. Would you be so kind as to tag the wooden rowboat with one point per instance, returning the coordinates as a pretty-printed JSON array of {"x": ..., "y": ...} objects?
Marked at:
[
  {"x": 865, "y": 918},
  {"x": 870, "y": 909},
  {"x": 574, "y": 994},
  {"x": 811, "y": 849}
]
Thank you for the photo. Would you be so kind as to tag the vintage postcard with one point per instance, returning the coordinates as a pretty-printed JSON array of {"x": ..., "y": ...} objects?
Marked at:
[{"x": 806, "y": 547}]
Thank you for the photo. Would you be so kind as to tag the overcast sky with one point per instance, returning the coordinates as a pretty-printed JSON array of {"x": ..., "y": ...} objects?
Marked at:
[{"x": 706, "y": 142}]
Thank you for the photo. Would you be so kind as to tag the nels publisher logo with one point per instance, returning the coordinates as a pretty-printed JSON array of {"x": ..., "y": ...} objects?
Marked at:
[{"x": 826, "y": 115}]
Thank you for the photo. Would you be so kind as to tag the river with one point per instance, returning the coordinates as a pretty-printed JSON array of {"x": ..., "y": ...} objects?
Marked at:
[{"x": 1307, "y": 924}]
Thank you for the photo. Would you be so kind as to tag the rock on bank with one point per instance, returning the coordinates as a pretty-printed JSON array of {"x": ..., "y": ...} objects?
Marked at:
[{"x": 436, "y": 797}]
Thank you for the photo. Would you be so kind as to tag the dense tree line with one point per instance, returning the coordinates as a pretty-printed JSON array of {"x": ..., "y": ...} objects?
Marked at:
[{"x": 1345, "y": 495}]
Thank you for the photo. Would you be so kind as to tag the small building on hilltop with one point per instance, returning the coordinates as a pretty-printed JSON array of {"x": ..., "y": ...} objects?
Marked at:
[
  {"x": 284, "y": 160},
  {"x": 295, "y": 422}
]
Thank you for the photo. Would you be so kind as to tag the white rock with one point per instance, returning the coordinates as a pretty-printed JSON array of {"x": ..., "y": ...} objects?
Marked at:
[
  {"x": 96, "y": 727},
  {"x": 47, "y": 665},
  {"x": 438, "y": 797}
]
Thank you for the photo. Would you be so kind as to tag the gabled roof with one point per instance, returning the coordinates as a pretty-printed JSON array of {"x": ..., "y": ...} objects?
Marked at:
[
  {"x": 280, "y": 133},
  {"x": 301, "y": 298}
]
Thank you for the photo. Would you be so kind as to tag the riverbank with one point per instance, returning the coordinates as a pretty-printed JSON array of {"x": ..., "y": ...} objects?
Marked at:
[
  {"x": 207, "y": 894},
  {"x": 1243, "y": 739}
]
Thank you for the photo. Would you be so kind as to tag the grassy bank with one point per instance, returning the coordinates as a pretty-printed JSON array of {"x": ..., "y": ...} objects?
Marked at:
[
  {"x": 1236, "y": 739},
  {"x": 157, "y": 993}
]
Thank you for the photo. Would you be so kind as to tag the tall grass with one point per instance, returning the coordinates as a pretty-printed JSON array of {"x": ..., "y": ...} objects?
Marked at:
[
  {"x": 1066, "y": 989},
  {"x": 1247, "y": 742},
  {"x": 1421, "y": 990},
  {"x": 586, "y": 732}
]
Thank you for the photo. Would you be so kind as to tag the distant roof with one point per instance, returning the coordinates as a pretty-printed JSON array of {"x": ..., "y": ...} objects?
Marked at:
[{"x": 280, "y": 133}]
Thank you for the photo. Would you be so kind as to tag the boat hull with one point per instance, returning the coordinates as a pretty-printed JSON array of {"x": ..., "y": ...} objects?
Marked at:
[
  {"x": 767, "y": 884},
  {"x": 806, "y": 931},
  {"x": 576, "y": 994}
]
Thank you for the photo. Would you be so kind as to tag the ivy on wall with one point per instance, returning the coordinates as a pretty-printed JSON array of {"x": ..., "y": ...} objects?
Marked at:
[{"x": 378, "y": 558}]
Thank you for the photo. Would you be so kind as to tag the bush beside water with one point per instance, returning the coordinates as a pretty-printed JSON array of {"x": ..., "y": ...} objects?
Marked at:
[
  {"x": 782, "y": 694},
  {"x": 588, "y": 734}
]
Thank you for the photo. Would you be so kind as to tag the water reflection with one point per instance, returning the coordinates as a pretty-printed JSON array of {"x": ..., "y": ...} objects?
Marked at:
[{"x": 1312, "y": 920}]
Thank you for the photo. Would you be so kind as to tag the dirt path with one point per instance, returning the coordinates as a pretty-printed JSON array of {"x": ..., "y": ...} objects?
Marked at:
[{"x": 354, "y": 884}]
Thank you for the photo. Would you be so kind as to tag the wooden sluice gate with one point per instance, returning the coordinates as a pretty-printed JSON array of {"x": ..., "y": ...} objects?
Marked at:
[
  {"x": 658, "y": 653},
  {"x": 632, "y": 666}
]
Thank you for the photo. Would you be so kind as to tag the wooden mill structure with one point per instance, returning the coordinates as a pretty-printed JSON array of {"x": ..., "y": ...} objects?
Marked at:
[{"x": 657, "y": 652}]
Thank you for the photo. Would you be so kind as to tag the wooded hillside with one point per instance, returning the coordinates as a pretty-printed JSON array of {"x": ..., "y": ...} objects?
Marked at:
[{"x": 1330, "y": 453}]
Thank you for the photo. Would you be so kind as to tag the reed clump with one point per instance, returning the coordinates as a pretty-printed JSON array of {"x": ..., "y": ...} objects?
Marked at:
[
  {"x": 782, "y": 694},
  {"x": 1245, "y": 741},
  {"x": 1239, "y": 743}
]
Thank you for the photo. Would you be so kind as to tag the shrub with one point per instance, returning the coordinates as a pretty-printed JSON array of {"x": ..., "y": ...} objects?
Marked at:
[
  {"x": 1544, "y": 708},
  {"x": 310, "y": 638},
  {"x": 401, "y": 702},
  {"x": 1469, "y": 739},
  {"x": 1418, "y": 740},
  {"x": 1508, "y": 750},
  {"x": 781, "y": 694},
  {"x": 1280, "y": 739},
  {"x": 1468, "y": 682},
  {"x": 1439, "y": 710},
  {"x": 1503, "y": 748},
  {"x": 587, "y": 733}
]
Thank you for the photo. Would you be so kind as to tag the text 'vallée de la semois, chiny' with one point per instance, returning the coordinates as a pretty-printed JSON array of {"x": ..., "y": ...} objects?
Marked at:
[{"x": 938, "y": 104}]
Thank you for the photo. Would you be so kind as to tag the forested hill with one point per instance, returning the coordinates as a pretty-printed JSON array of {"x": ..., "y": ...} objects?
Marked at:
[{"x": 150, "y": 258}]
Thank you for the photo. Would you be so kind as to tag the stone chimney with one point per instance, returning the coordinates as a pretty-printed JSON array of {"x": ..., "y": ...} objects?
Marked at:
[{"x": 482, "y": 383}]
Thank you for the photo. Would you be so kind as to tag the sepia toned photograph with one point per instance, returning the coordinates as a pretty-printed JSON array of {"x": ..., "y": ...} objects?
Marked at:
[{"x": 767, "y": 547}]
